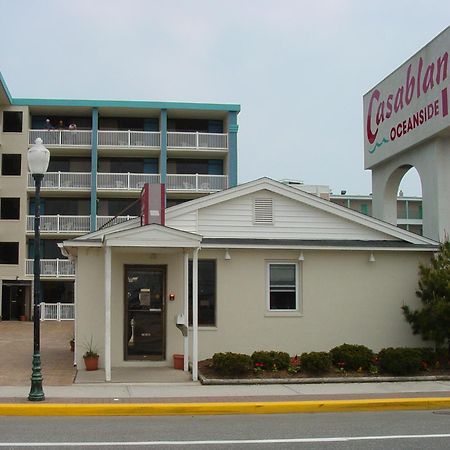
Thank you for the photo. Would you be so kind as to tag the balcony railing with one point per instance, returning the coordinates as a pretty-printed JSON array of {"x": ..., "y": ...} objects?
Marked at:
[
  {"x": 197, "y": 140},
  {"x": 134, "y": 139},
  {"x": 196, "y": 182},
  {"x": 63, "y": 180},
  {"x": 62, "y": 138},
  {"x": 82, "y": 181},
  {"x": 57, "y": 311},
  {"x": 61, "y": 224},
  {"x": 129, "y": 139},
  {"x": 101, "y": 220},
  {"x": 52, "y": 268},
  {"x": 126, "y": 181}
]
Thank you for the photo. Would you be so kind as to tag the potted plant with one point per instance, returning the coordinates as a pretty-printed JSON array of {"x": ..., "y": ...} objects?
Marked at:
[{"x": 91, "y": 357}]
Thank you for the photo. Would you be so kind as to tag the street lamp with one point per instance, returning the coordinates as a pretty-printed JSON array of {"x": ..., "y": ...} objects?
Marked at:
[{"x": 38, "y": 159}]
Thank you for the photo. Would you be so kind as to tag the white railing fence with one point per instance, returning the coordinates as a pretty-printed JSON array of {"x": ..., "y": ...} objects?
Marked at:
[
  {"x": 101, "y": 220},
  {"x": 176, "y": 139},
  {"x": 57, "y": 311},
  {"x": 52, "y": 268},
  {"x": 63, "y": 180},
  {"x": 126, "y": 181},
  {"x": 79, "y": 138},
  {"x": 196, "y": 182},
  {"x": 61, "y": 224},
  {"x": 129, "y": 138}
]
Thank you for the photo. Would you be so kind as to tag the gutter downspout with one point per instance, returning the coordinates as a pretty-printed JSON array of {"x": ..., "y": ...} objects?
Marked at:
[{"x": 195, "y": 315}]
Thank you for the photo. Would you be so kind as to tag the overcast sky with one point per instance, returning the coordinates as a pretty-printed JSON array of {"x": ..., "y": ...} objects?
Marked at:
[{"x": 298, "y": 69}]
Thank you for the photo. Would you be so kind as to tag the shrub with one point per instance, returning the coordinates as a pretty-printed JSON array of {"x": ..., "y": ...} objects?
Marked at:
[
  {"x": 231, "y": 363},
  {"x": 352, "y": 356},
  {"x": 272, "y": 360},
  {"x": 315, "y": 362},
  {"x": 400, "y": 361}
]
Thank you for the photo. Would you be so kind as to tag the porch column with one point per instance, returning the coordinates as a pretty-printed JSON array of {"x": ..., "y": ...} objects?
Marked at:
[
  {"x": 186, "y": 309},
  {"x": 75, "y": 290},
  {"x": 195, "y": 315},
  {"x": 107, "y": 313}
]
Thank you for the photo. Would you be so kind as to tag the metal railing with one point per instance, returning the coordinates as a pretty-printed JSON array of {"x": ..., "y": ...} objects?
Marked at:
[
  {"x": 62, "y": 138},
  {"x": 57, "y": 311},
  {"x": 61, "y": 224},
  {"x": 63, "y": 180},
  {"x": 196, "y": 182},
  {"x": 102, "y": 220},
  {"x": 113, "y": 138},
  {"x": 176, "y": 139},
  {"x": 52, "y": 268},
  {"x": 126, "y": 181}
]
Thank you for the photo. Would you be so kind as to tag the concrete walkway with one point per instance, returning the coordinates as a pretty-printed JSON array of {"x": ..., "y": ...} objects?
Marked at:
[{"x": 16, "y": 350}]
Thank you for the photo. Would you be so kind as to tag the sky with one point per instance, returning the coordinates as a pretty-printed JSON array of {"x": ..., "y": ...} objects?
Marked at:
[{"x": 299, "y": 69}]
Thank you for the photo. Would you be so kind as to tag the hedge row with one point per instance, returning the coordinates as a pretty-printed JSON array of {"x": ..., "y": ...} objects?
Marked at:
[{"x": 346, "y": 357}]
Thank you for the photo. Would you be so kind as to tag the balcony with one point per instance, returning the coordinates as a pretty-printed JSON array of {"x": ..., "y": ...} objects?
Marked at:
[
  {"x": 61, "y": 224},
  {"x": 150, "y": 139},
  {"x": 130, "y": 139},
  {"x": 196, "y": 183},
  {"x": 199, "y": 141},
  {"x": 126, "y": 181},
  {"x": 52, "y": 268},
  {"x": 63, "y": 180},
  {"x": 61, "y": 138},
  {"x": 82, "y": 181}
]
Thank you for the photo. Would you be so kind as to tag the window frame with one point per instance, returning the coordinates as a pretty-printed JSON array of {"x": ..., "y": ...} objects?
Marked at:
[
  {"x": 2, "y": 201},
  {"x": 190, "y": 299},
  {"x": 297, "y": 309},
  {"x": 5, "y": 156},
  {"x": 7, "y": 122},
  {"x": 16, "y": 247}
]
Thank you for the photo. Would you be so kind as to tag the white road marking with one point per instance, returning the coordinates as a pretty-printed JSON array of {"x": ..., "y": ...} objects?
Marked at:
[{"x": 223, "y": 442}]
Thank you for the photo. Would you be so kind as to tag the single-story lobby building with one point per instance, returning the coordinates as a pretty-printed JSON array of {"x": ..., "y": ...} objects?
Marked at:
[{"x": 261, "y": 266}]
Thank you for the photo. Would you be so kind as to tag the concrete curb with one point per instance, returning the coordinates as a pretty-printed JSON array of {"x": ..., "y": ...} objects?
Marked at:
[
  {"x": 169, "y": 409},
  {"x": 316, "y": 380}
]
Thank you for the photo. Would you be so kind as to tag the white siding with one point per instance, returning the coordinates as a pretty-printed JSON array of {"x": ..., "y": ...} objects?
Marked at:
[
  {"x": 185, "y": 222},
  {"x": 292, "y": 220}
]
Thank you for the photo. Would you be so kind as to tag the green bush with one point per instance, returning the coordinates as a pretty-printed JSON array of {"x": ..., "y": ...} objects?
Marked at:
[
  {"x": 400, "y": 360},
  {"x": 352, "y": 356},
  {"x": 315, "y": 362},
  {"x": 271, "y": 360},
  {"x": 231, "y": 363}
]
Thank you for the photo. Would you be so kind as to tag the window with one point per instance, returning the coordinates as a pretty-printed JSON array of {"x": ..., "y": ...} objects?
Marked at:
[
  {"x": 282, "y": 287},
  {"x": 12, "y": 121},
  {"x": 9, "y": 252},
  {"x": 365, "y": 208},
  {"x": 11, "y": 164},
  {"x": 9, "y": 208},
  {"x": 206, "y": 292}
]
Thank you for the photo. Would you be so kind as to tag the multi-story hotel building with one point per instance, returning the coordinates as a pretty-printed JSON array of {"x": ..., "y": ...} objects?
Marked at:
[{"x": 101, "y": 154}]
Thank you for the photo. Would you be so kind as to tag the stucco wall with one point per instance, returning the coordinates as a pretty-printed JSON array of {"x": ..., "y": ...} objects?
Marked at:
[{"x": 344, "y": 298}]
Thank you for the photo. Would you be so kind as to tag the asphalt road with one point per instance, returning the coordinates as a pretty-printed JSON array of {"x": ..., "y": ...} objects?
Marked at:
[{"x": 380, "y": 430}]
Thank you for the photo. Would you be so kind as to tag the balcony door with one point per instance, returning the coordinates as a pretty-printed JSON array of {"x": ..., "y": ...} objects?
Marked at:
[{"x": 144, "y": 330}]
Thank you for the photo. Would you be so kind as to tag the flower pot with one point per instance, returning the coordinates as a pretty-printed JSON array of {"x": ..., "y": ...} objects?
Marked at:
[
  {"x": 178, "y": 362},
  {"x": 91, "y": 362},
  {"x": 23, "y": 318}
]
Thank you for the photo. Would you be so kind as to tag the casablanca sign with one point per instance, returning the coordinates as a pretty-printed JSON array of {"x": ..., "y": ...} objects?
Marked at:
[{"x": 410, "y": 105}]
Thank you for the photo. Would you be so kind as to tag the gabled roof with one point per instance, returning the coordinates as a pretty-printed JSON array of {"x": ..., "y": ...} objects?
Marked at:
[
  {"x": 391, "y": 232},
  {"x": 148, "y": 236}
]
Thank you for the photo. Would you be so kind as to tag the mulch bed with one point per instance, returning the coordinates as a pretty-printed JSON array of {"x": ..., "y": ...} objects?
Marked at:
[{"x": 206, "y": 369}]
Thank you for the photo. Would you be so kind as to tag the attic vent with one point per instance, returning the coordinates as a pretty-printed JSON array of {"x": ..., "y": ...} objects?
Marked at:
[{"x": 263, "y": 211}]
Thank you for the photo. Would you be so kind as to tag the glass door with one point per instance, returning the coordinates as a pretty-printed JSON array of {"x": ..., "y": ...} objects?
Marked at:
[{"x": 145, "y": 312}]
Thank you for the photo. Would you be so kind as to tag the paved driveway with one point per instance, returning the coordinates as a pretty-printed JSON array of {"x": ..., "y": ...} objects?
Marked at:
[{"x": 16, "y": 351}]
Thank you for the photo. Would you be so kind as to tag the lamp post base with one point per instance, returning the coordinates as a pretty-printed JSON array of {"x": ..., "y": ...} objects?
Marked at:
[{"x": 36, "y": 392}]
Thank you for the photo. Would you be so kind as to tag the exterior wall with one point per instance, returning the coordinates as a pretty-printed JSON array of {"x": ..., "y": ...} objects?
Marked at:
[
  {"x": 90, "y": 309},
  {"x": 292, "y": 220},
  {"x": 15, "y": 186},
  {"x": 344, "y": 298}
]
